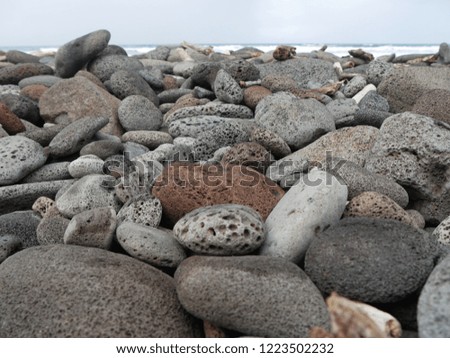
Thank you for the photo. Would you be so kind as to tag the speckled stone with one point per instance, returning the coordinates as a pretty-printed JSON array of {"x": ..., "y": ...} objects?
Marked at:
[
  {"x": 195, "y": 126},
  {"x": 104, "y": 66},
  {"x": 127, "y": 83},
  {"x": 49, "y": 172},
  {"x": 102, "y": 148},
  {"x": 9, "y": 121},
  {"x": 271, "y": 141},
  {"x": 143, "y": 209},
  {"x": 250, "y": 154},
  {"x": 8, "y": 245},
  {"x": 227, "y": 89},
  {"x": 51, "y": 230},
  {"x": 139, "y": 113},
  {"x": 22, "y": 225},
  {"x": 14, "y": 74},
  {"x": 442, "y": 233},
  {"x": 254, "y": 94},
  {"x": 86, "y": 165},
  {"x": 151, "y": 139}
]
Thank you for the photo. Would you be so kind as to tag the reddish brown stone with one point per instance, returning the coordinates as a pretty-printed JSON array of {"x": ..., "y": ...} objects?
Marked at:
[
  {"x": 9, "y": 121},
  {"x": 250, "y": 154},
  {"x": 187, "y": 100},
  {"x": 213, "y": 331},
  {"x": 13, "y": 74},
  {"x": 91, "y": 77},
  {"x": 33, "y": 91},
  {"x": 254, "y": 94},
  {"x": 183, "y": 187},
  {"x": 169, "y": 82}
]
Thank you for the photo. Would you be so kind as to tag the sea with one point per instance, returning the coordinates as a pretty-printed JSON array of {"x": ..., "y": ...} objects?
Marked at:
[{"x": 337, "y": 49}]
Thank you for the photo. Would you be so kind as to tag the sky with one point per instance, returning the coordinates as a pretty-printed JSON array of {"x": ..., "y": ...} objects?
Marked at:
[{"x": 55, "y": 22}]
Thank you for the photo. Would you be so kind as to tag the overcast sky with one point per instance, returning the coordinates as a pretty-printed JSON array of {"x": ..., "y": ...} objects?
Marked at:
[{"x": 54, "y": 22}]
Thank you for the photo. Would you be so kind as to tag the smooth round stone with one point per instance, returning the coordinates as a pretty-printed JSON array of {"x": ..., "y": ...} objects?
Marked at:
[
  {"x": 139, "y": 113},
  {"x": 19, "y": 156},
  {"x": 442, "y": 233},
  {"x": 171, "y": 96},
  {"x": 371, "y": 260},
  {"x": 14, "y": 56},
  {"x": 97, "y": 294},
  {"x": 355, "y": 85},
  {"x": 104, "y": 66},
  {"x": 154, "y": 77},
  {"x": 271, "y": 141},
  {"x": 227, "y": 89},
  {"x": 45, "y": 207},
  {"x": 151, "y": 245},
  {"x": 433, "y": 311},
  {"x": 164, "y": 152},
  {"x": 126, "y": 83},
  {"x": 254, "y": 94},
  {"x": 195, "y": 126},
  {"x": 225, "y": 229},
  {"x": 102, "y": 148},
  {"x": 74, "y": 136},
  {"x": 51, "y": 230},
  {"x": 9, "y": 121},
  {"x": 44, "y": 80},
  {"x": 132, "y": 149},
  {"x": 143, "y": 209},
  {"x": 8, "y": 245},
  {"x": 86, "y": 165},
  {"x": 250, "y": 154},
  {"x": 265, "y": 296},
  {"x": 93, "y": 228},
  {"x": 151, "y": 139},
  {"x": 14, "y": 74},
  {"x": 49, "y": 172},
  {"x": 22, "y": 225}
]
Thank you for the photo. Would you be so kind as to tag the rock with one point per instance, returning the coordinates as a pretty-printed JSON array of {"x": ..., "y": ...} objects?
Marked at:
[
  {"x": 369, "y": 117},
  {"x": 89, "y": 192},
  {"x": 139, "y": 113},
  {"x": 352, "y": 144},
  {"x": 254, "y": 94},
  {"x": 14, "y": 74},
  {"x": 86, "y": 165},
  {"x": 405, "y": 85},
  {"x": 19, "y": 156},
  {"x": 297, "y": 121},
  {"x": 301, "y": 70},
  {"x": 224, "y": 134},
  {"x": 9, "y": 89},
  {"x": 283, "y": 53},
  {"x": 33, "y": 92},
  {"x": 87, "y": 285},
  {"x": 74, "y": 55},
  {"x": 93, "y": 228},
  {"x": 23, "y": 107},
  {"x": 309, "y": 207},
  {"x": 154, "y": 77},
  {"x": 14, "y": 56},
  {"x": 355, "y": 85},
  {"x": 73, "y": 137},
  {"x": 241, "y": 70},
  {"x": 250, "y": 154},
  {"x": 342, "y": 110},
  {"x": 183, "y": 187},
  {"x": 45, "y": 207},
  {"x": 132, "y": 150},
  {"x": 373, "y": 101},
  {"x": 172, "y": 95},
  {"x": 43, "y": 136},
  {"x": 444, "y": 53},
  {"x": 143, "y": 209},
  {"x": 266, "y": 297},
  {"x": 22, "y": 196},
  {"x": 221, "y": 230},
  {"x": 271, "y": 141},
  {"x": 9, "y": 121},
  {"x": 77, "y": 98},
  {"x": 49, "y": 172},
  {"x": 361, "y": 94},
  {"x": 375, "y": 205},
  {"x": 102, "y": 148},
  {"x": 45, "y": 80},
  {"x": 151, "y": 139},
  {"x": 9, "y": 244},
  {"x": 359, "y": 180},
  {"x": 127, "y": 83},
  {"x": 417, "y": 218},
  {"x": 434, "y": 103},
  {"x": 151, "y": 245},
  {"x": 434, "y": 211},
  {"x": 51, "y": 230},
  {"x": 413, "y": 150},
  {"x": 433, "y": 313},
  {"x": 20, "y": 225},
  {"x": 104, "y": 66},
  {"x": 185, "y": 101},
  {"x": 195, "y": 126},
  {"x": 227, "y": 89},
  {"x": 377, "y": 71},
  {"x": 370, "y": 260},
  {"x": 91, "y": 77},
  {"x": 442, "y": 234}
]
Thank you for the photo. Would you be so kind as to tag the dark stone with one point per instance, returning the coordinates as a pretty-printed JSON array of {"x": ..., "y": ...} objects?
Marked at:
[
  {"x": 21, "y": 224},
  {"x": 13, "y": 74},
  {"x": 104, "y": 66},
  {"x": 15, "y": 57},
  {"x": 127, "y": 83},
  {"x": 23, "y": 107}
]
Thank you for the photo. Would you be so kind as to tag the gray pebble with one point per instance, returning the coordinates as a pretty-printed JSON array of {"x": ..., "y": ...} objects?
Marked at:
[
  {"x": 227, "y": 89},
  {"x": 21, "y": 225},
  {"x": 151, "y": 139},
  {"x": 127, "y": 83},
  {"x": 143, "y": 209},
  {"x": 51, "y": 230},
  {"x": 49, "y": 172},
  {"x": 86, "y": 165},
  {"x": 45, "y": 80},
  {"x": 8, "y": 245},
  {"x": 103, "y": 148},
  {"x": 139, "y": 113},
  {"x": 104, "y": 66},
  {"x": 172, "y": 95},
  {"x": 355, "y": 85},
  {"x": 373, "y": 101}
]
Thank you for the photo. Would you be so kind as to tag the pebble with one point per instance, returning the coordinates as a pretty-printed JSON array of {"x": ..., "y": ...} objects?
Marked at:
[
  {"x": 45, "y": 207},
  {"x": 102, "y": 148},
  {"x": 417, "y": 218},
  {"x": 154, "y": 246},
  {"x": 43, "y": 80},
  {"x": 86, "y": 279},
  {"x": 377, "y": 71},
  {"x": 250, "y": 154},
  {"x": 9, "y": 121},
  {"x": 316, "y": 202},
  {"x": 343, "y": 110},
  {"x": 371, "y": 260},
  {"x": 19, "y": 156},
  {"x": 435, "y": 104},
  {"x": 150, "y": 139},
  {"x": 20, "y": 225},
  {"x": 8, "y": 245},
  {"x": 49, "y": 172},
  {"x": 14, "y": 56},
  {"x": 104, "y": 66},
  {"x": 33, "y": 92},
  {"x": 373, "y": 101},
  {"x": 355, "y": 85},
  {"x": 433, "y": 313},
  {"x": 265, "y": 297},
  {"x": 297, "y": 121},
  {"x": 93, "y": 228},
  {"x": 127, "y": 83},
  {"x": 368, "y": 117},
  {"x": 271, "y": 141},
  {"x": 23, "y": 107},
  {"x": 43, "y": 136},
  {"x": 221, "y": 230},
  {"x": 227, "y": 89},
  {"x": 183, "y": 187},
  {"x": 442, "y": 233},
  {"x": 360, "y": 95},
  {"x": 143, "y": 209},
  {"x": 172, "y": 95},
  {"x": 254, "y": 94},
  {"x": 89, "y": 192},
  {"x": 51, "y": 230},
  {"x": 14, "y": 74},
  {"x": 139, "y": 113},
  {"x": 133, "y": 149},
  {"x": 74, "y": 55},
  {"x": 86, "y": 165},
  {"x": 74, "y": 136},
  {"x": 195, "y": 126},
  {"x": 154, "y": 77}
]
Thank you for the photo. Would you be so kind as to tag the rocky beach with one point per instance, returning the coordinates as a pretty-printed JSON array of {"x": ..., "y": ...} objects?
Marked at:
[{"x": 189, "y": 193}]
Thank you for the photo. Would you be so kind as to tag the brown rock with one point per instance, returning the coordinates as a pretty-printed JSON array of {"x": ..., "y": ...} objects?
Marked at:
[
  {"x": 183, "y": 187},
  {"x": 13, "y": 74},
  {"x": 283, "y": 53},
  {"x": 271, "y": 141},
  {"x": 186, "y": 101},
  {"x": 91, "y": 77},
  {"x": 169, "y": 82},
  {"x": 417, "y": 218},
  {"x": 277, "y": 83},
  {"x": 254, "y": 94},
  {"x": 434, "y": 103},
  {"x": 34, "y": 92},
  {"x": 375, "y": 205},
  {"x": 79, "y": 97},
  {"x": 250, "y": 154},
  {"x": 9, "y": 121}
]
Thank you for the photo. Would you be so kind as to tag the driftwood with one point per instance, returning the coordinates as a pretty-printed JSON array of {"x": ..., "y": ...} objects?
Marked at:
[
  {"x": 245, "y": 84},
  {"x": 426, "y": 59},
  {"x": 363, "y": 55},
  {"x": 283, "y": 53},
  {"x": 204, "y": 50}
]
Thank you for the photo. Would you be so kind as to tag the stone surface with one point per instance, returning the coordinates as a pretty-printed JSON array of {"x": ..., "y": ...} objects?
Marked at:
[
  {"x": 152, "y": 245},
  {"x": 51, "y": 230},
  {"x": 19, "y": 156},
  {"x": 342, "y": 110},
  {"x": 128, "y": 83},
  {"x": 308, "y": 208},
  {"x": 297, "y": 121},
  {"x": 33, "y": 92},
  {"x": 78, "y": 97},
  {"x": 9, "y": 121},
  {"x": 93, "y": 228},
  {"x": 371, "y": 260},
  {"x": 434, "y": 103},
  {"x": 14, "y": 56},
  {"x": 85, "y": 285},
  {"x": 221, "y": 230},
  {"x": 373, "y": 101},
  {"x": 45, "y": 207},
  {"x": 377, "y": 71},
  {"x": 251, "y": 154},
  {"x": 14, "y": 74},
  {"x": 375, "y": 205},
  {"x": 417, "y": 218},
  {"x": 49, "y": 172},
  {"x": 227, "y": 89},
  {"x": 183, "y": 187},
  {"x": 23, "y": 107},
  {"x": 104, "y": 66},
  {"x": 21, "y": 225},
  {"x": 74, "y": 55},
  {"x": 355, "y": 85},
  {"x": 195, "y": 126},
  {"x": 271, "y": 141},
  {"x": 143, "y": 209},
  {"x": 43, "y": 136},
  {"x": 102, "y": 148},
  {"x": 85, "y": 165},
  {"x": 442, "y": 234},
  {"x": 254, "y": 94},
  {"x": 265, "y": 297},
  {"x": 433, "y": 312},
  {"x": 173, "y": 95},
  {"x": 74, "y": 136},
  {"x": 9, "y": 244},
  {"x": 151, "y": 139},
  {"x": 89, "y": 192},
  {"x": 139, "y": 113}
]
